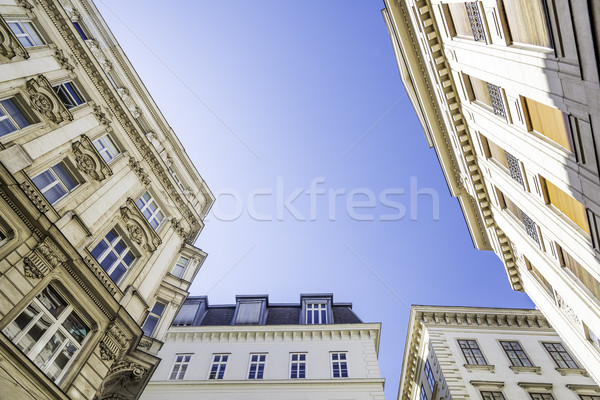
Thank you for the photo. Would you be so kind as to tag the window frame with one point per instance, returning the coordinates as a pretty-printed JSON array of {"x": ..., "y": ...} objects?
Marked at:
[
  {"x": 520, "y": 356},
  {"x": 478, "y": 348},
  {"x": 260, "y": 365},
  {"x": 322, "y": 311},
  {"x": 492, "y": 393},
  {"x": 180, "y": 367},
  {"x": 26, "y": 33},
  {"x": 340, "y": 364},
  {"x": 154, "y": 315},
  {"x": 564, "y": 350},
  {"x": 423, "y": 393},
  {"x": 105, "y": 142},
  {"x": 182, "y": 267},
  {"x": 219, "y": 372},
  {"x": 68, "y": 90},
  {"x": 81, "y": 29},
  {"x": 429, "y": 375},
  {"x": 300, "y": 365},
  {"x": 541, "y": 396},
  {"x": 120, "y": 257},
  {"x": 148, "y": 204},
  {"x": 17, "y": 105},
  {"x": 68, "y": 170}
]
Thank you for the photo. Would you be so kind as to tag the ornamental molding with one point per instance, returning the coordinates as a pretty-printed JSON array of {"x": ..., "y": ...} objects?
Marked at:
[
  {"x": 98, "y": 53},
  {"x": 88, "y": 160},
  {"x": 179, "y": 228},
  {"x": 139, "y": 171},
  {"x": 101, "y": 116},
  {"x": 566, "y": 309},
  {"x": 124, "y": 381},
  {"x": 114, "y": 342},
  {"x": 82, "y": 53},
  {"x": 129, "y": 102},
  {"x": 63, "y": 60},
  {"x": 25, "y": 4},
  {"x": 36, "y": 197},
  {"x": 43, "y": 259},
  {"x": 19, "y": 212},
  {"x": 102, "y": 276},
  {"x": 10, "y": 47},
  {"x": 44, "y": 100},
  {"x": 483, "y": 319},
  {"x": 70, "y": 9},
  {"x": 138, "y": 228}
]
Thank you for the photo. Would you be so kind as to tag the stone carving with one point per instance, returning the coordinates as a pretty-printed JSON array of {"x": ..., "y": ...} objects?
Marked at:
[
  {"x": 24, "y": 4},
  {"x": 100, "y": 115},
  {"x": 35, "y": 196},
  {"x": 63, "y": 60},
  {"x": 70, "y": 9},
  {"x": 44, "y": 99},
  {"x": 138, "y": 228},
  {"x": 99, "y": 54},
  {"x": 178, "y": 225},
  {"x": 124, "y": 381},
  {"x": 113, "y": 343},
  {"x": 145, "y": 343},
  {"x": 129, "y": 102},
  {"x": 31, "y": 271},
  {"x": 560, "y": 302},
  {"x": 100, "y": 274},
  {"x": 139, "y": 171},
  {"x": 43, "y": 259},
  {"x": 10, "y": 47},
  {"x": 88, "y": 160}
]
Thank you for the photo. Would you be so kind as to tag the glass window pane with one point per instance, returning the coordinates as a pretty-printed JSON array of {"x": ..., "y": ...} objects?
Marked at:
[
  {"x": 158, "y": 308},
  {"x": 53, "y": 302},
  {"x": 76, "y": 327},
  {"x": 22, "y": 320},
  {"x": 99, "y": 249},
  {"x": 60, "y": 171},
  {"x": 34, "y": 334},
  {"x": 118, "y": 272},
  {"x": 62, "y": 359},
  {"x": 6, "y": 127},
  {"x": 49, "y": 349},
  {"x": 33, "y": 33},
  {"x": 149, "y": 325},
  {"x": 43, "y": 180}
]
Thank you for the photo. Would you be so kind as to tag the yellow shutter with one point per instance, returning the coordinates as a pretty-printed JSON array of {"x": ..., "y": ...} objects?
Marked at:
[
  {"x": 580, "y": 272},
  {"x": 527, "y": 22},
  {"x": 568, "y": 205},
  {"x": 497, "y": 153},
  {"x": 550, "y": 122},
  {"x": 480, "y": 91},
  {"x": 460, "y": 20}
]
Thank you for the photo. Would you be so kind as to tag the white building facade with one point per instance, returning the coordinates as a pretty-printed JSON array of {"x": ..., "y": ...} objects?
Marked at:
[
  {"x": 489, "y": 354},
  {"x": 257, "y": 350},
  {"x": 507, "y": 92},
  {"x": 99, "y": 209}
]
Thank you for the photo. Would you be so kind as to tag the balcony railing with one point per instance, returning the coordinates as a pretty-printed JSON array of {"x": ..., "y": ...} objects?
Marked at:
[
  {"x": 475, "y": 20},
  {"x": 514, "y": 168},
  {"x": 497, "y": 101}
]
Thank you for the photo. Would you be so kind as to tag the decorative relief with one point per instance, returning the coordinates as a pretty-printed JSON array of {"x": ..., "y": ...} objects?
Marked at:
[
  {"x": 145, "y": 343},
  {"x": 44, "y": 99},
  {"x": 35, "y": 196},
  {"x": 139, "y": 171},
  {"x": 10, "y": 47},
  {"x": 100, "y": 115},
  {"x": 124, "y": 381},
  {"x": 129, "y": 102},
  {"x": 113, "y": 343},
  {"x": 138, "y": 228},
  {"x": 99, "y": 54},
  {"x": 560, "y": 302},
  {"x": 43, "y": 259},
  {"x": 70, "y": 9},
  {"x": 88, "y": 160},
  {"x": 178, "y": 225},
  {"x": 475, "y": 20},
  {"x": 100, "y": 274},
  {"x": 63, "y": 60},
  {"x": 25, "y": 4},
  {"x": 31, "y": 270}
]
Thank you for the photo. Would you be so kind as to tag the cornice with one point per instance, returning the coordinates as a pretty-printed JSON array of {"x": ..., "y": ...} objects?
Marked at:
[
  {"x": 270, "y": 382},
  {"x": 483, "y": 319}
]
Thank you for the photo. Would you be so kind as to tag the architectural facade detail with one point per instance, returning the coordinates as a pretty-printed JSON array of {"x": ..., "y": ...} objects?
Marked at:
[
  {"x": 34, "y": 195},
  {"x": 502, "y": 90},
  {"x": 129, "y": 102},
  {"x": 113, "y": 343},
  {"x": 10, "y": 47},
  {"x": 63, "y": 60},
  {"x": 43, "y": 259},
  {"x": 99, "y": 55},
  {"x": 101, "y": 116},
  {"x": 123, "y": 381},
  {"x": 139, "y": 171},
  {"x": 44, "y": 100},
  {"x": 138, "y": 228},
  {"x": 88, "y": 160}
]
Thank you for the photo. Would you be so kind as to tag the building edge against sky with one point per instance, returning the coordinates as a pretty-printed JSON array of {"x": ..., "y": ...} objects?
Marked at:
[
  {"x": 489, "y": 353},
  {"x": 507, "y": 93},
  {"x": 255, "y": 349},
  {"x": 99, "y": 209}
]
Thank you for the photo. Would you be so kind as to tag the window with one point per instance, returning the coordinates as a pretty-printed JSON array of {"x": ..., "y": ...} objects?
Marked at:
[
  {"x": 339, "y": 365},
  {"x": 26, "y": 33},
  {"x": 180, "y": 266},
  {"x": 153, "y": 318},
  {"x": 257, "y": 366},
  {"x": 297, "y": 365},
  {"x": 49, "y": 332},
  {"x": 529, "y": 224},
  {"x": 550, "y": 122},
  {"x": 11, "y": 117},
  {"x": 422, "y": 394},
  {"x": 68, "y": 94},
  {"x": 114, "y": 255},
  {"x": 527, "y": 22},
  {"x": 80, "y": 29},
  {"x": 465, "y": 20},
  {"x": 560, "y": 355},
  {"x": 573, "y": 209},
  {"x": 567, "y": 261},
  {"x": 492, "y": 396},
  {"x": 541, "y": 396},
  {"x": 471, "y": 351},
  {"x": 106, "y": 148},
  {"x": 516, "y": 354},
  {"x": 55, "y": 182},
  {"x": 150, "y": 209},
  {"x": 429, "y": 375},
  {"x": 248, "y": 312},
  {"x": 588, "y": 397},
  {"x": 217, "y": 369},
  {"x": 180, "y": 367},
  {"x": 177, "y": 180},
  {"x": 504, "y": 158},
  {"x": 316, "y": 313}
]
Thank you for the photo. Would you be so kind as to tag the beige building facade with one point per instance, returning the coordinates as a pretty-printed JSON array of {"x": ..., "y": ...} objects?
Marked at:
[
  {"x": 508, "y": 94},
  {"x": 489, "y": 354},
  {"x": 99, "y": 209},
  {"x": 256, "y": 350}
]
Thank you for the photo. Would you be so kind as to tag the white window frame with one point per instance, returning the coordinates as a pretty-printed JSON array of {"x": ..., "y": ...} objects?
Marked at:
[
  {"x": 155, "y": 315},
  {"x": 180, "y": 266},
  {"x": 118, "y": 238},
  {"x": 298, "y": 363},
  {"x": 339, "y": 361},
  {"x": 220, "y": 364},
  {"x": 73, "y": 102},
  {"x": 107, "y": 148},
  {"x": 261, "y": 361},
  {"x": 316, "y": 309},
  {"x": 58, "y": 181},
  {"x": 52, "y": 330},
  {"x": 150, "y": 205},
  {"x": 180, "y": 366},
  {"x": 27, "y": 26}
]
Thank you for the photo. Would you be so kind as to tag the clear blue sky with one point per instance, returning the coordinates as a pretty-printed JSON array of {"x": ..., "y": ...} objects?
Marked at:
[{"x": 268, "y": 96}]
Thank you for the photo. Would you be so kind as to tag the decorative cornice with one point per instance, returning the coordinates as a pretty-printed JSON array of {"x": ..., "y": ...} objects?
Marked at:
[
  {"x": 44, "y": 100},
  {"x": 36, "y": 197},
  {"x": 99, "y": 54},
  {"x": 488, "y": 384},
  {"x": 483, "y": 319},
  {"x": 25, "y": 4},
  {"x": 139, "y": 171},
  {"x": 138, "y": 228},
  {"x": 536, "y": 386},
  {"x": 19, "y": 213},
  {"x": 63, "y": 60},
  {"x": 44, "y": 258},
  {"x": 88, "y": 160},
  {"x": 102, "y": 276},
  {"x": 10, "y": 47},
  {"x": 114, "y": 342}
]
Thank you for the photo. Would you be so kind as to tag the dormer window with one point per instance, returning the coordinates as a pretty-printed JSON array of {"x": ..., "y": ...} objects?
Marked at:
[
  {"x": 250, "y": 311},
  {"x": 316, "y": 309},
  {"x": 316, "y": 313}
]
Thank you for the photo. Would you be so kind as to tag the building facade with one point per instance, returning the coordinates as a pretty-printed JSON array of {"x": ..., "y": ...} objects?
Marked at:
[
  {"x": 508, "y": 94},
  {"x": 258, "y": 350},
  {"x": 489, "y": 354},
  {"x": 99, "y": 210}
]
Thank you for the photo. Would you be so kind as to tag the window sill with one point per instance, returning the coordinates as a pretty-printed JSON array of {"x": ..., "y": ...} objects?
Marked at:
[
  {"x": 572, "y": 371},
  {"x": 477, "y": 367},
  {"x": 518, "y": 370}
]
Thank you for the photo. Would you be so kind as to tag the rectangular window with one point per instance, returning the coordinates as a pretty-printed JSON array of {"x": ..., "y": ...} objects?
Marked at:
[
  {"x": 11, "y": 117},
  {"x": 471, "y": 351},
  {"x": 217, "y": 368},
  {"x": 465, "y": 20},
  {"x": 516, "y": 354},
  {"x": 80, "y": 29},
  {"x": 492, "y": 396},
  {"x": 182, "y": 361},
  {"x": 527, "y": 22},
  {"x": 248, "y": 312},
  {"x": 567, "y": 261},
  {"x": 257, "y": 366},
  {"x": 177, "y": 180},
  {"x": 560, "y": 355},
  {"x": 153, "y": 318},
  {"x": 106, "y": 147},
  {"x": 316, "y": 313},
  {"x": 429, "y": 375},
  {"x": 55, "y": 182},
  {"x": 113, "y": 255},
  {"x": 528, "y": 224},
  {"x": 488, "y": 95},
  {"x": 540, "y": 277},
  {"x": 297, "y": 365},
  {"x": 541, "y": 396},
  {"x": 573, "y": 209},
  {"x": 150, "y": 209},
  {"x": 26, "y": 33},
  {"x": 49, "y": 332},
  {"x": 180, "y": 266},
  {"x": 422, "y": 394},
  {"x": 339, "y": 365},
  {"x": 589, "y": 397},
  {"x": 549, "y": 121},
  {"x": 68, "y": 95}
]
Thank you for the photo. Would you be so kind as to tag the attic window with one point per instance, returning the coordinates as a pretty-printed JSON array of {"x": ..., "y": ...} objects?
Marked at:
[{"x": 248, "y": 313}]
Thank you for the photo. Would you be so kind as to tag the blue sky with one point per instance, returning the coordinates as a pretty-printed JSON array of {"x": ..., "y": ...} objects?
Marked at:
[{"x": 268, "y": 97}]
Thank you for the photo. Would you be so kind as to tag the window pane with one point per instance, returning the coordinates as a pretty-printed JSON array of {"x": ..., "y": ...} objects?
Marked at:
[
  {"x": 550, "y": 122},
  {"x": 118, "y": 272},
  {"x": 76, "y": 328},
  {"x": 53, "y": 302},
  {"x": 22, "y": 320},
  {"x": 60, "y": 171},
  {"x": 99, "y": 249},
  {"x": 32, "y": 33},
  {"x": 568, "y": 205},
  {"x": 460, "y": 19},
  {"x": 43, "y": 180},
  {"x": 49, "y": 349},
  {"x": 158, "y": 308},
  {"x": 6, "y": 127},
  {"x": 527, "y": 22},
  {"x": 149, "y": 325}
]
